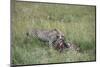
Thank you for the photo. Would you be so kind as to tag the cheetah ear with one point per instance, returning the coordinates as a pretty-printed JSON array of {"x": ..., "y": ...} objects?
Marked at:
[{"x": 55, "y": 29}]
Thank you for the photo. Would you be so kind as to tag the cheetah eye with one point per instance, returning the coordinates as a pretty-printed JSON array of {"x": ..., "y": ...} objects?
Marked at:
[
  {"x": 62, "y": 36},
  {"x": 57, "y": 36}
]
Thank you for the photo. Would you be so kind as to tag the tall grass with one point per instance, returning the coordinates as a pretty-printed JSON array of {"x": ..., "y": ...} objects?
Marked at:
[{"x": 76, "y": 22}]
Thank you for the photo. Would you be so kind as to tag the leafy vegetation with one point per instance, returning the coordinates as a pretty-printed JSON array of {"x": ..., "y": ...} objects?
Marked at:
[{"x": 75, "y": 21}]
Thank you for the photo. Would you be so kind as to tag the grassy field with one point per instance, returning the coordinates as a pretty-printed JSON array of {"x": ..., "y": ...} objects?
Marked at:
[{"x": 76, "y": 22}]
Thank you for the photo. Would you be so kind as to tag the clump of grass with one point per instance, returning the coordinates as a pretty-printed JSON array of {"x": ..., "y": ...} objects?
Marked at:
[{"x": 76, "y": 22}]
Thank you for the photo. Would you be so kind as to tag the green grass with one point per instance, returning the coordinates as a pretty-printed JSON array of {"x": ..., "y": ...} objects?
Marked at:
[{"x": 76, "y": 22}]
